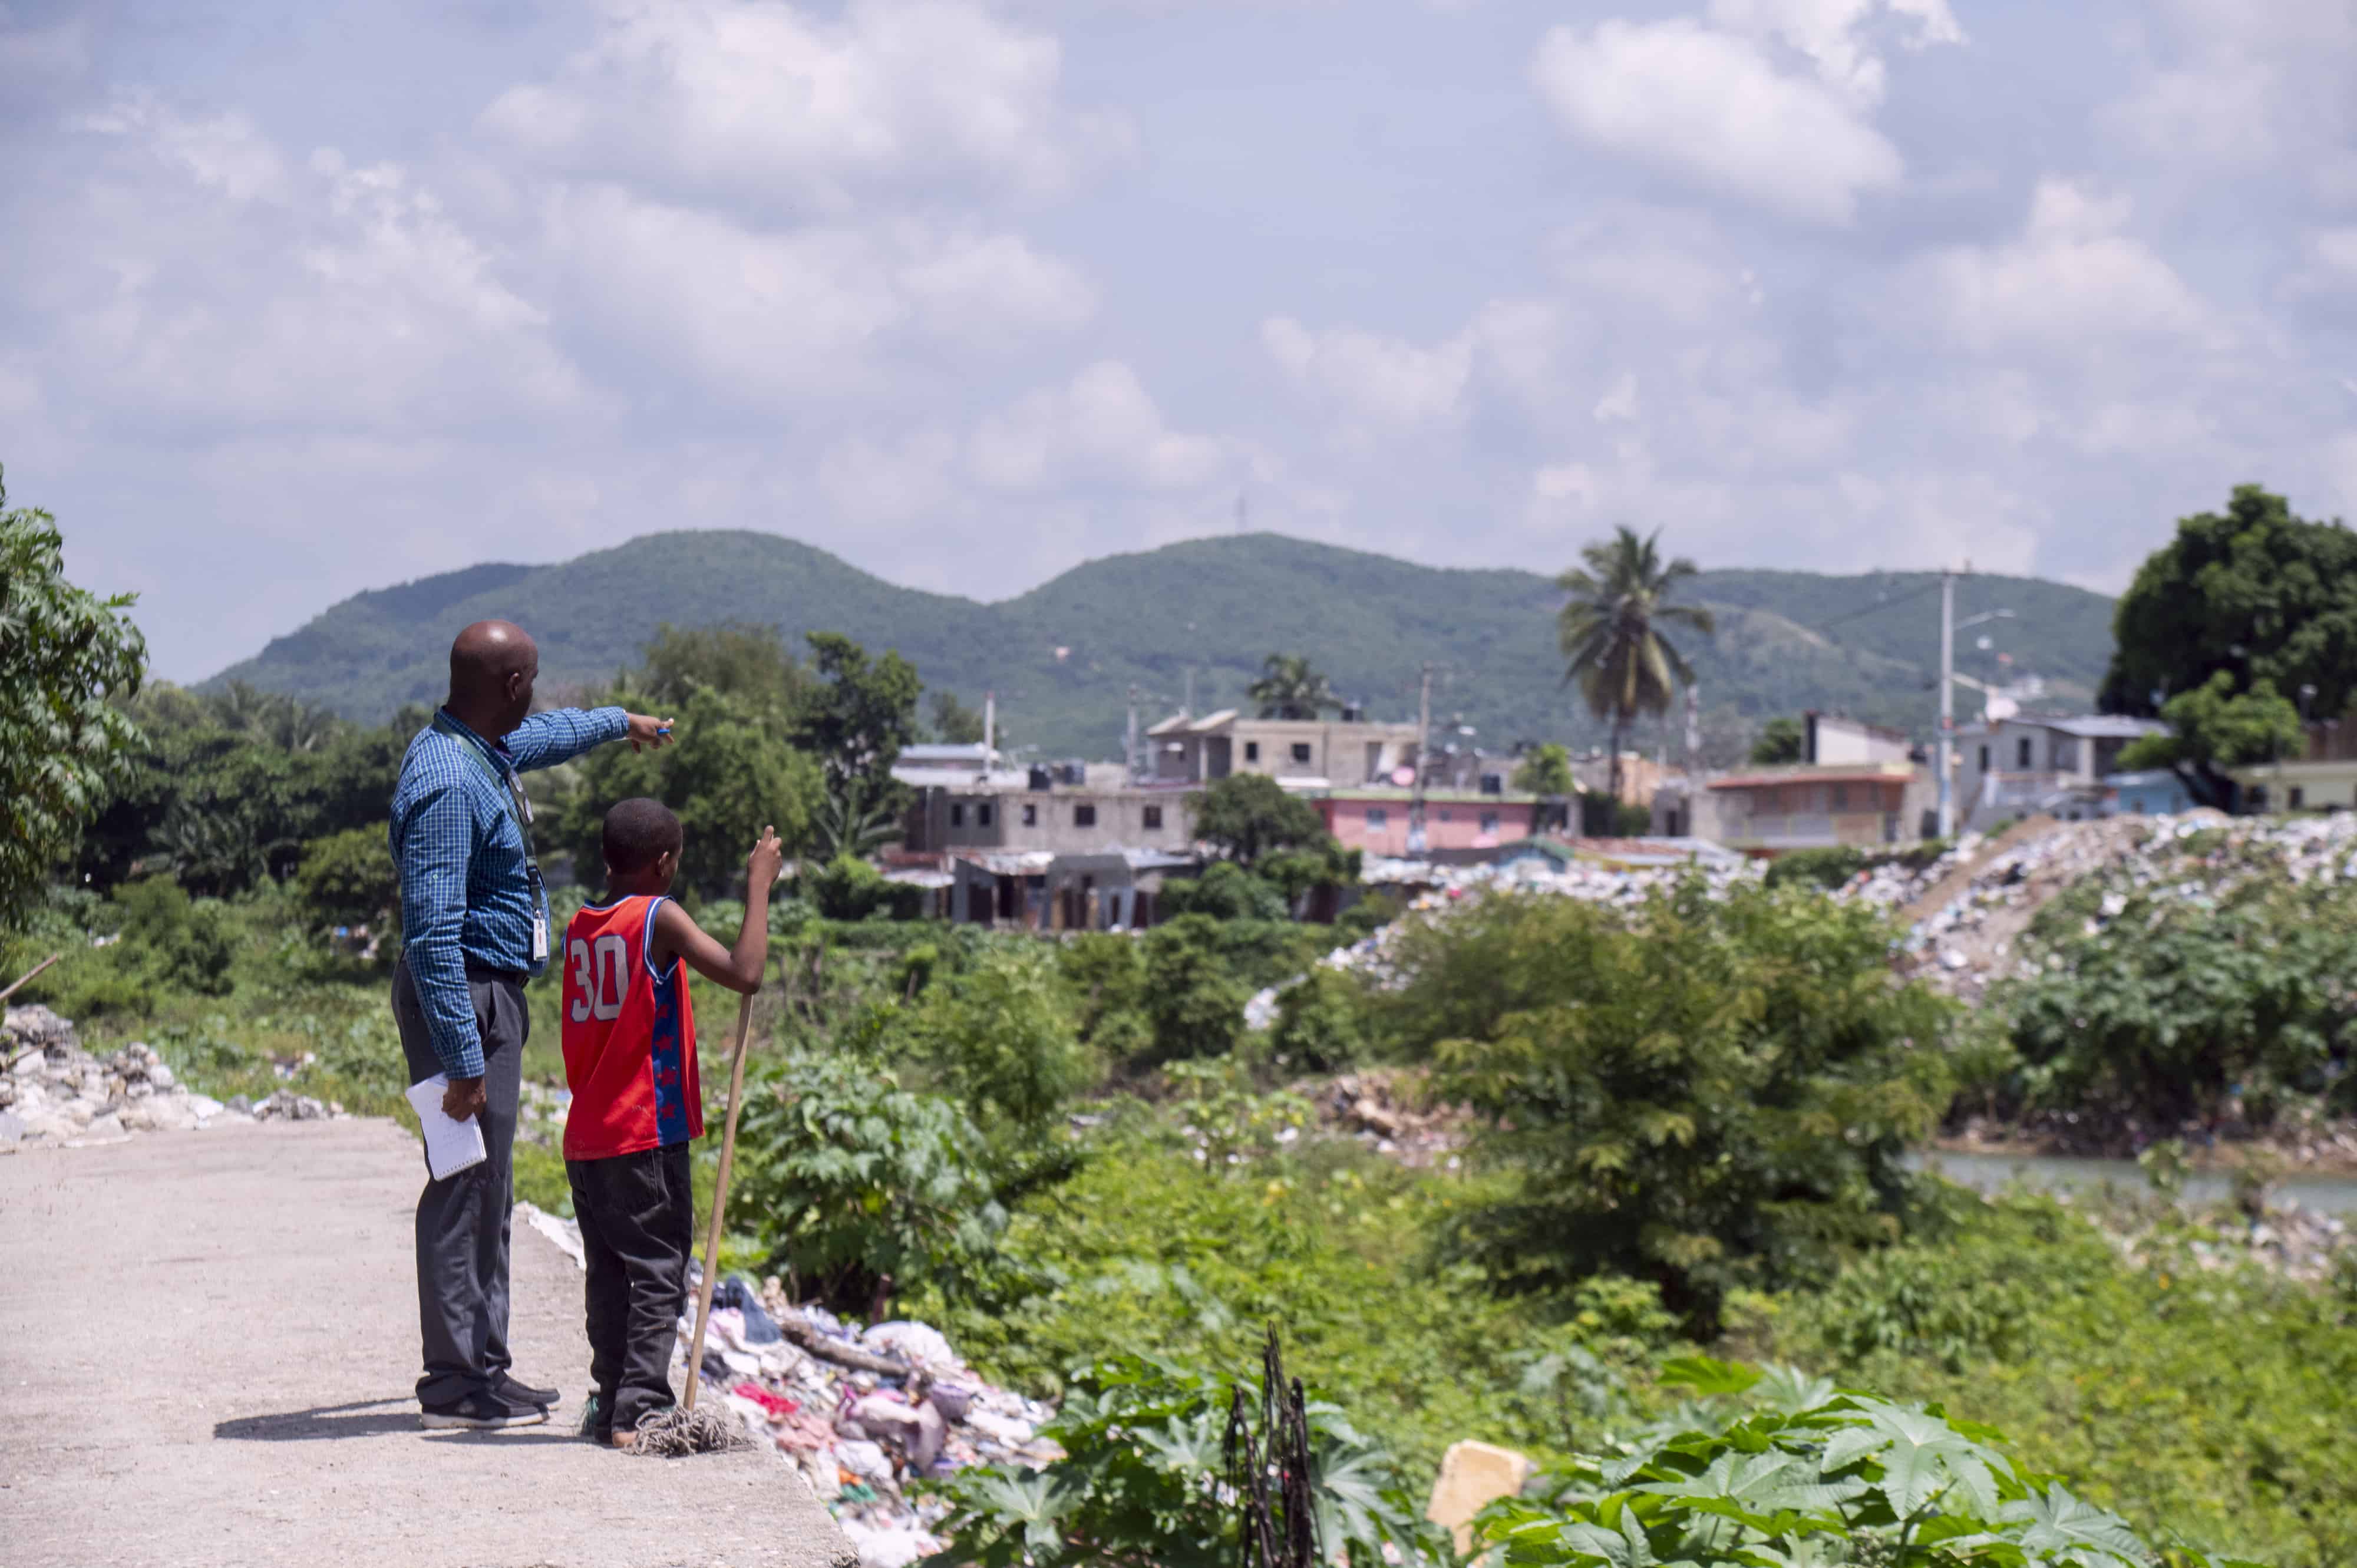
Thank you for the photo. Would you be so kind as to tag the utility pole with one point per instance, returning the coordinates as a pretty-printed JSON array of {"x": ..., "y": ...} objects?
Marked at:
[
  {"x": 1943, "y": 753},
  {"x": 989, "y": 729},
  {"x": 1416, "y": 839},
  {"x": 1187, "y": 707},
  {"x": 1129, "y": 749}
]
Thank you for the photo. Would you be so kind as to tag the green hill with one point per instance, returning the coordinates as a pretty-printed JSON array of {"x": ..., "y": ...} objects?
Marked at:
[{"x": 1064, "y": 657}]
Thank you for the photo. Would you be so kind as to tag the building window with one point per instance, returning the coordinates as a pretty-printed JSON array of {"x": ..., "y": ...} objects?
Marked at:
[
  {"x": 2298, "y": 797},
  {"x": 1841, "y": 797},
  {"x": 1251, "y": 751},
  {"x": 1493, "y": 783},
  {"x": 957, "y": 813},
  {"x": 1445, "y": 815},
  {"x": 2021, "y": 754},
  {"x": 1153, "y": 816},
  {"x": 1377, "y": 817},
  {"x": 982, "y": 814},
  {"x": 1085, "y": 816},
  {"x": 1030, "y": 816},
  {"x": 1488, "y": 822},
  {"x": 1984, "y": 759},
  {"x": 1300, "y": 751}
]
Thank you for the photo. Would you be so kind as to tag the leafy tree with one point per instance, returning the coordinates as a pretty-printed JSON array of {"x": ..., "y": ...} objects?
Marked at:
[
  {"x": 1545, "y": 771},
  {"x": 2214, "y": 728},
  {"x": 863, "y": 1187},
  {"x": 65, "y": 656},
  {"x": 1782, "y": 742},
  {"x": 840, "y": 829},
  {"x": 1001, "y": 1037},
  {"x": 186, "y": 944},
  {"x": 862, "y": 713},
  {"x": 848, "y": 888},
  {"x": 1321, "y": 1021},
  {"x": 954, "y": 724},
  {"x": 1297, "y": 872},
  {"x": 1289, "y": 688},
  {"x": 349, "y": 878},
  {"x": 2253, "y": 595},
  {"x": 728, "y": 774},
  {"x": 1193, "y": 999},
  {"x": 750, "y": 663},
  {"x": 1703, "y": 1091},
  {"x": 1225, "y": 891},
  {"x": 1248, "y": 815},
  {"x": 1610, "y": 631}
]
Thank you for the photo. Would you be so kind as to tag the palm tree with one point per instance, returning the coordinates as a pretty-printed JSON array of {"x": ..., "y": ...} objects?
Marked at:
[
  {"x": 1289, "y": 688},
  {"x": 1609, "y": 631}
]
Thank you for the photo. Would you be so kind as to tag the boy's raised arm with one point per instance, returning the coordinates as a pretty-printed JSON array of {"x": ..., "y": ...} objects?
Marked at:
[{"x": 738, "y": 968}]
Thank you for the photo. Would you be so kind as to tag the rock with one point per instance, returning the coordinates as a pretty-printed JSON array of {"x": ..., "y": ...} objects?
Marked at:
[
  {"x": 203, "y": 1106},
  {"x": 161, "y": 1076},
  {"x": 1472, "y": 1476},
  {"x": 12, "y": 1129},
  {"x": 81, "y": 1111},
  {"x": 107, "y": 1126},
  {"x": 242, "y": 1105}
]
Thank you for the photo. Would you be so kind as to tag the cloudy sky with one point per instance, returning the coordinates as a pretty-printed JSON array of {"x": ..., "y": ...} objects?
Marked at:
[{"x": 298, "y": 298}]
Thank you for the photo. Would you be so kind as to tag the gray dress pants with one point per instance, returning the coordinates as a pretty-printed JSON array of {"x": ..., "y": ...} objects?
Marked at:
[{"x": 462, "y": 1219}]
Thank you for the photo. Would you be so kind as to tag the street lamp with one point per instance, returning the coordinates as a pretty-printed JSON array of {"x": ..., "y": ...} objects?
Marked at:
[{"x": 1948, "y": 630}]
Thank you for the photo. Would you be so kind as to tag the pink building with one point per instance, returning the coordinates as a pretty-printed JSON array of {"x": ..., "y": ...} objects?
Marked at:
[{"x": 1375, "y": 819}]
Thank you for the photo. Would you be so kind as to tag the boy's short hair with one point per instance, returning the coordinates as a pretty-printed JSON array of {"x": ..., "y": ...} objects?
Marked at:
[{"x": 638, "y": 830}]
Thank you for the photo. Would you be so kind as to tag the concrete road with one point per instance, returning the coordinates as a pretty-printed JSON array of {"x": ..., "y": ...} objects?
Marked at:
[{"x": 208, "y": 1342}]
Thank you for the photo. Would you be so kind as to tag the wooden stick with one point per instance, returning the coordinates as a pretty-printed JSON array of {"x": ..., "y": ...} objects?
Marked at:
[
  {"x": 719, "y": 1199},
  {"x": 26, "y": 978}
]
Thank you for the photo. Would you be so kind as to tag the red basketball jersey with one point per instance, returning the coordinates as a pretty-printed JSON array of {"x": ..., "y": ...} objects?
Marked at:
[{"x": 630, "y": 1036}]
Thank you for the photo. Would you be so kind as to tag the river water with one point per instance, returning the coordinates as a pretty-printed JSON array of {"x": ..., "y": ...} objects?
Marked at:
[{"x": 1986, "y": 1173}]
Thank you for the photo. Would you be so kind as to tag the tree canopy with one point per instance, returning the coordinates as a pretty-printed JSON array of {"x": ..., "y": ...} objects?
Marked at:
[
  {"x": 1290, "y": 688},
  {"x": 65, "y": 655},
  {"x": 2226, "y": 627},
  {"x": 1610, "y": 631},
  {"x": 1782, "y": 742},
  {"x": 1247, "y": 816},
  {"x": 861, "y": 711}
]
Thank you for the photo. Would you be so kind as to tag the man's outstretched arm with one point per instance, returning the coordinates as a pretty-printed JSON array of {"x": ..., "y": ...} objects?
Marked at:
[{"x": 561, "y": 735}]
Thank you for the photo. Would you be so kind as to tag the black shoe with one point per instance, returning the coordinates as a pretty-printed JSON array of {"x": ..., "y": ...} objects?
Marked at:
[
  {"x": 479, "y": 1412},
  {"x": 595, "y": 1424},
  {"x": 524, "y": 1393}
]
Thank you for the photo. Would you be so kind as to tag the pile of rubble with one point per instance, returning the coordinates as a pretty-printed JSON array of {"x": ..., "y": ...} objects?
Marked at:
[
  {"x": 861, "y": 1414},
  {"x": 56, "y": 1094},
  {"x": 1388, "y": 1109}
]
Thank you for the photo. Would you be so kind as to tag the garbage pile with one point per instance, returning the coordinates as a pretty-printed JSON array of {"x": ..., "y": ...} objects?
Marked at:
[
  {"x": 860, "y": 1414},
  {"x": 1386, "y": 1107},
  {"x": 1973, "y": 940},
  {"x": 54, "y": 1092}
]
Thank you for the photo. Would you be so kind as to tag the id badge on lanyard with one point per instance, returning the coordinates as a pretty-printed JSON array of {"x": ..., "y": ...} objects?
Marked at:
[{"x": 539, "y": 915}]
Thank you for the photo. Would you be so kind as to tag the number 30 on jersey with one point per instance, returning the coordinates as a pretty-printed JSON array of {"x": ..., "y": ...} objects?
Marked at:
[{"x": 601, "y": 977}]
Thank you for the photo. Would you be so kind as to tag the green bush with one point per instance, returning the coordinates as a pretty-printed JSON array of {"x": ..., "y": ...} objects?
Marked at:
[
  {"x": 862, "y": 1189},
  {"x": 1829, "y": 867},
  {"x": 1193, "y": 1000},
  {"x": 1320, "y": 1024},
  {"x": 1812, "y": 1475},
  {"x": 349, "y": 878},
  {"x": 2163, "y": 1008},
  {"x": 847, "y": 889},
  {"x": 1225, "y": 891},
  {"x": 1707, "y": 1091},
  {"x": 1001, "y": 1038},
  {"x": 1146, "y": 1478},
  {"x": 1106, "y": 973}
]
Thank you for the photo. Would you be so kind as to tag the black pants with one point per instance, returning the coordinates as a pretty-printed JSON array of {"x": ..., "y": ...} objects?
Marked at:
[
  {"x": 462, "y": 1219},
  {"x": 638, "y": 1225}
]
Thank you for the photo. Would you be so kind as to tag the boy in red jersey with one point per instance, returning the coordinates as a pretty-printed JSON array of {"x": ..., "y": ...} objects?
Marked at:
[{"x": 629, "y": 1059}]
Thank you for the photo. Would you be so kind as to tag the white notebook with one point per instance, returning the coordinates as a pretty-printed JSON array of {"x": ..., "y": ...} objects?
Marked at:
[{"x": 450, "y": 1146}]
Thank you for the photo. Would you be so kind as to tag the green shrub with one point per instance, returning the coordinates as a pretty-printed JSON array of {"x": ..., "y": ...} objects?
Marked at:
[
  {"x": 1225, "y": 891},
  {"x": 848, "y": 888},
  {"x": 862, "y": 1189},
  {"x": 1829, "y": 867},
  {"x": 349, "y": 878},
  {"x": 1001, "y": 1037},
  {"x": 1193, "y": 1000},
  {"x": 1811, "y": 1475},
  {"x": 1320, "y": 1024},
  {"x": 1106, "y": 973},
  {"x": 1145, "y": 1476},
  {"x": 2163, "y": 1008},
  {"x": 1711, "y": 1092}
]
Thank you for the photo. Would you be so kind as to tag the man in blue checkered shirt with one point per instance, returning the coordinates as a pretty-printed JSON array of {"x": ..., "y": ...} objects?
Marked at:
[{"x": 474, "y": 928}]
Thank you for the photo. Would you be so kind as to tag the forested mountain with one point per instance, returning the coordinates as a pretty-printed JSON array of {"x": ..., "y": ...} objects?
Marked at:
[{"x": 1062, "y": 657}]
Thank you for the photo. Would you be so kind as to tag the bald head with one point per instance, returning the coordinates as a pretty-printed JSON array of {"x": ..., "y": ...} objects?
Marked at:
[{"x": 492, "y": 666}]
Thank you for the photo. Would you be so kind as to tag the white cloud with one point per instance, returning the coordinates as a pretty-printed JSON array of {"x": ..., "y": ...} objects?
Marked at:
[
  {"x": 761, "y": 101},
  {"x": 224, "y": 151},
  {"x": 2073, "y": 279},
  {"x": 803, "y": 311},
  {"x": 1380, "y": 379},
  {"x": 1833, "y": 35},
  {"x": 1100, "y": 429},
  {"x": 1712, "y": 107}
]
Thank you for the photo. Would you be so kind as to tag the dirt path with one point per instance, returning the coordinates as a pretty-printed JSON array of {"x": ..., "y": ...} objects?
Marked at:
[{"x": 207, "y": 1345}]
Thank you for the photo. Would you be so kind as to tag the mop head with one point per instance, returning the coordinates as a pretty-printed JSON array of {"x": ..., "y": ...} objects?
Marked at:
[{"x": 678, "y": 1431}]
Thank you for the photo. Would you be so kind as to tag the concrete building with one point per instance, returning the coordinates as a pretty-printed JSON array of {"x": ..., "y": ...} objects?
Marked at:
[
  {"x": 1768, "y": 811},
  {"x": 2032, "y": 763},
  {"x": 1032, "y": 812},
  {"x": 1837, "y": 739},
  {"x": 1375, "y": 819},
  {"x": 2323, "y": 778},
  {"x": 1298, "y": 753}
]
